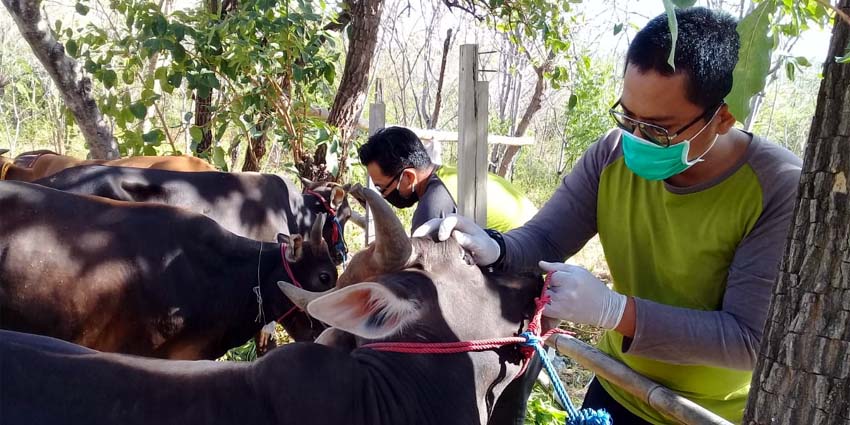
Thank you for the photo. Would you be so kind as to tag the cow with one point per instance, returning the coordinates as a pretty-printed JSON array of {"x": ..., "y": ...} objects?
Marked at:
[
  {"x": 257, "y": 206},
  {"x": 146, "y": 279},
  {"x": 427, "y": 291},
  {"x": 34, "y": 165}
]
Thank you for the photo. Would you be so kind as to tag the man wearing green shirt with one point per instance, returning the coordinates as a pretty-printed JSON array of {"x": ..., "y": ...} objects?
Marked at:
[{"x": 692, "y": 215}]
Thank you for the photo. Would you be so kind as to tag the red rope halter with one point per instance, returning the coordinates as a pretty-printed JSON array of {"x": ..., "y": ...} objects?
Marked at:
[
  {"x": 533, "y": 330},
  {"x": 291, "y": 277}
]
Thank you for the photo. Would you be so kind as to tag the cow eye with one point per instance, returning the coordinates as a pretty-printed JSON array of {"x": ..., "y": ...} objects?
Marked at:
[{"x": 325, "y": 278}]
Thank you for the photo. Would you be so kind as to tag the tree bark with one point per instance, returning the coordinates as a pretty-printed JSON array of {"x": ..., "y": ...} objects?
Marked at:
[
  {"x": 438, "y": 97},
  {"x": 803, "y": 372},
  {"x": 363, "y": 36},
  {"x": 75, "y": 88},
  {"x": 256, "y": 149},
  {"x": 534, "y": 105}
]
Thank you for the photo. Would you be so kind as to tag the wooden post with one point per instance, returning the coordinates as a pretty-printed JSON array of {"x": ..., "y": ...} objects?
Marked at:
[
  {"x": 377, "y": 121},
  {"x": 472, "y": 138},
  {"x": 659, "y": 397}
]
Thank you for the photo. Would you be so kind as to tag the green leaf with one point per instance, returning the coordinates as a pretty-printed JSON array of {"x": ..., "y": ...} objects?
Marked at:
[
  {"x": 71, "y": 47},
  {"x": 219, "y": 159},
  {"x": 109, "y": 78},
  {"x": 196, "y": 133},
  {"x": 81, "y": 9},
  {"x": 187, "y": 117},
  {"x": 803, "y": 61},
  {"x": 139, "y": 110},
  {"x": 618, "y": 28},
  {"x": 175, "y": 79},
  {"x": 753, "y": 59},
  {"x": 153, "y": 137},
  {"x": 572, "y": 102},
  {"x": 670, "y": 9},
  {"x": 789, "y": 70}
]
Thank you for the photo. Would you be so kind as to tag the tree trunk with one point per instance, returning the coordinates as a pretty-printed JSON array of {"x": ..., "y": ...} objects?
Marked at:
[
  {"x": 363, "y": 36},
  {"x": 534, "y": 105},
  {"x": 256, "y": 149},
  {"x": 803, "y": 373},
  {"x": 438, "y": 97},
  {"x": 203, "y": 104},
  {"x": 75, "y": 88}
]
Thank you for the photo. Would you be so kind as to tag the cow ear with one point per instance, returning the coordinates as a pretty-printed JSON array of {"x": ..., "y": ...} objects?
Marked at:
[
  {"x": 367, "y": 309},
  {"x": 283, "y": 238},
  {"x": 337, "y": 196},
  {"x": 295, "y": 248}
]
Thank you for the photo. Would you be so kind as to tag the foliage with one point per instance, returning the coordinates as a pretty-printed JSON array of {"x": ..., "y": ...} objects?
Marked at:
[
  {"x": 760, "y": 33},
  {"x": 267, "y": 61},
  {"x": 565, "y": 133}
]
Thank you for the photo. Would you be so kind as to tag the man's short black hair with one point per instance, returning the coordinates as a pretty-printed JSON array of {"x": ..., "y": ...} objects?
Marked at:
[
  {"x": 394, "y": 149},
  {"x": 706, "y": 51}
]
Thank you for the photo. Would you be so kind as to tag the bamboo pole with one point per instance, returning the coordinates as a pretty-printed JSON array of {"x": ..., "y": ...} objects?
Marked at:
[{"x": 659, "y": 397}]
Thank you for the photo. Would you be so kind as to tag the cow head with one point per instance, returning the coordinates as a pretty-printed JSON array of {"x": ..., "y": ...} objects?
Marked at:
[
  {"x": 422, "y": 290},
  {"x": 334, "y": 202},
  {"x": 312, "y": 268}
]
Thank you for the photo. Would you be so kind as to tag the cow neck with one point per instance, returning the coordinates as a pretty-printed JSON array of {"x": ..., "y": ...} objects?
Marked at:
[
  {"x": 438, "y": 389},
  {"x": 270, "y": 256}
]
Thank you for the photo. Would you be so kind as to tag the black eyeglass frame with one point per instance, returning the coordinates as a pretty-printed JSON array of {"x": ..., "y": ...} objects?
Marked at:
[
  {"x": 381, "y": 190},
  {"x": 620, "y": 117}
]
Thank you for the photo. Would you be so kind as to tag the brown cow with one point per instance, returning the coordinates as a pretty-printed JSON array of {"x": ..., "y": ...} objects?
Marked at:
[
  {"x": 145, "y": 279},
  {"x": 31, "y": 166},
  {"x": 427, "y": 292}
]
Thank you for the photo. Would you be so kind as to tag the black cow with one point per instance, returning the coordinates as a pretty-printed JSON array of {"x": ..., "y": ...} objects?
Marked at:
[
  {"x": 426, "y": 292},
  {"x": 145, "y": 279},
  {"x": 253, "y": 205}
]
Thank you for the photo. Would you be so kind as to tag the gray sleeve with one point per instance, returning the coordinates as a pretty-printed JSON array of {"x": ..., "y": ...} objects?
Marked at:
[
  {"x": 436, "y": 202},
  {"x": 730, "y": 337},
  {"x": 568, "y": 220}
]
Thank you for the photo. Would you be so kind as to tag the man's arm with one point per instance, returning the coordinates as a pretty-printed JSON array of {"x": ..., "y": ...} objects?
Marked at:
[{"x": 568, "y": 220}]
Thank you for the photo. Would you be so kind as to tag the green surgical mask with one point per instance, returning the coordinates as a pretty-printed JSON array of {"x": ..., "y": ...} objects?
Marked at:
[{"x": 654, "y": 162}]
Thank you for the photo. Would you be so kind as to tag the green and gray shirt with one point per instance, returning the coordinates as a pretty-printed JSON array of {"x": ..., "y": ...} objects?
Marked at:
[{"x": 699, "y": 261}]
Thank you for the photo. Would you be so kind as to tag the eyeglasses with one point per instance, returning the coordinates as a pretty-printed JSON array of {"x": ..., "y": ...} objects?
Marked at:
[
  {"x": 382, "y": 189},
  {"x": 653, "y": 133}
]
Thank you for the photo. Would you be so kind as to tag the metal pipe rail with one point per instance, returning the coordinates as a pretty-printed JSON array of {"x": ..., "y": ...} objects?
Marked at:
[{"x": 659, "y": 397}]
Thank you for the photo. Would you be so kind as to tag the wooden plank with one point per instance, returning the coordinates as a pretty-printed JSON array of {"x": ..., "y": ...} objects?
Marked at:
[
  {"x": 437, "y": 135},
  {"x": 467, "y": 130},
  {"x": 482, "y": 102}
]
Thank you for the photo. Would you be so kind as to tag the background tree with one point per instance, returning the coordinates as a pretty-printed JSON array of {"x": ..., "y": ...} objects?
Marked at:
[
  {"x": 75, "y": 88},
  {"x": 802, "y": 374}
]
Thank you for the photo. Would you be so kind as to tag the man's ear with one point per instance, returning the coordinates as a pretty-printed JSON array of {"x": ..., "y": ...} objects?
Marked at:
[
  {"x": 337, "y": 196},
  {"x": 367, "y": 309},
  {"x": 408, "y": 176},
  {"x": 725, "y": 120}
]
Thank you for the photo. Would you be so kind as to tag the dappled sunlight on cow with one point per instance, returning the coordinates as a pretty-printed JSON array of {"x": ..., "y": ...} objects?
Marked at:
[
  {"x": 146, "y": 279},
  {"x": 429, "y": 293},
  {"x": 253, "y": 205}
]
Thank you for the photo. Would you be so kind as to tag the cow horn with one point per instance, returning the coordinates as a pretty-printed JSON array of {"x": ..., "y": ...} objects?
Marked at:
[
  {"x": 300, "y": 296},
  {"x": 392, "y": 245},
  {"x": 316, "y": 230},
  {"x": 358, "y": 219}
]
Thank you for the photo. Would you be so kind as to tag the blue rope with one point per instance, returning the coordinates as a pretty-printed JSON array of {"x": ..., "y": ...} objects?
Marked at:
[
  {"x": 574, "y": 416},
  {"x": 340, "y": 244}
]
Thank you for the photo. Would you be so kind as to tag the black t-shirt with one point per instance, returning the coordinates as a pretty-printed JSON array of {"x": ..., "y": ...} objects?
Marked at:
[{"x": 433, "y": 202}]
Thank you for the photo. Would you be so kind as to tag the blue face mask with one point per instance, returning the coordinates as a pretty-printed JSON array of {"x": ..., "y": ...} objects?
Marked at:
[{"x": 654, "y": 162}]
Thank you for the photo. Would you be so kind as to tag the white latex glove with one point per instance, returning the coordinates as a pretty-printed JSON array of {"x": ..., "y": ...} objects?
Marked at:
[
  {"x": 579, "y": 297},
  {"x": 480, "y": 245}
]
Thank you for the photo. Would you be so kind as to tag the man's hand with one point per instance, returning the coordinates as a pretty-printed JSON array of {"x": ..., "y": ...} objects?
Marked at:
[
  {"x": 472, "y": 238},
  {"x": 578, "y": 296}
]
